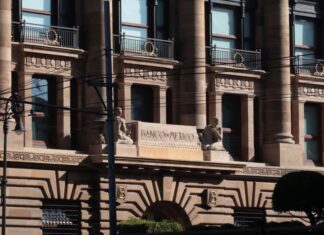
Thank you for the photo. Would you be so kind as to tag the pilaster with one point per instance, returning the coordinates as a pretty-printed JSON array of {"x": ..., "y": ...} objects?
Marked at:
[
  {"x": 160, "y": 104},
  {"x": 247, "y": 120},
  {"x": 63, "y": 116}
]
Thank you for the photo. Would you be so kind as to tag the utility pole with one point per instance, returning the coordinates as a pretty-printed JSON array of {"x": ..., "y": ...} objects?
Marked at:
[{"x": 110, "y": 126}]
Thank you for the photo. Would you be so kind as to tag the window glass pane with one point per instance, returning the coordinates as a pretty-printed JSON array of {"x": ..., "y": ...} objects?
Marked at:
[
  {"x": 304, "y": 33},
  {"x": 40, "y": 129},
  {"x": 142, "y": 103},
  {"x": 305, "y": 53},
  {"x": 40, "y": 118},
  {"x": 231, "y": 116},
  {"x": 223, "y": 21},
  {"x": 160, "y": 34},
  {"x": 247, "y": 25},
  {"x": 134, "y": 31},
  {"x": 36, "y": 18},
  {"x": 223, "y": 43},
  {"x": 312, "y": 150},
  {"x": 39, "y": 93},
  {"x": 134, "y": 11},
  {"x": 43, "y": 5},
  {"x": 160, "y": 12},
  {"x": 312, "y": 127},
  {"x": 312, "y": 120}
]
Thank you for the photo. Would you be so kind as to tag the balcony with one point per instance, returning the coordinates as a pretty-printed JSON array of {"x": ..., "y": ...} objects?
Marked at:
[
  {"x": 309, "y": 66},
  {"x": 234, "y": 58},
  {"x": 148, "y": 47},
  {"x": 45, "y": 35}
]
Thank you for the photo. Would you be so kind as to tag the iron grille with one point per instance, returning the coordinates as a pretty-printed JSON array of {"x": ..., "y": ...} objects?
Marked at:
[
  {"x": 247, "y": 217},
  {"x": 61, "y": 217}
]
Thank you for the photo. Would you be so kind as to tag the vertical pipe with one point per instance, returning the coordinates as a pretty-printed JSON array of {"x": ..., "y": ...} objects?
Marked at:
[
  {"x": 4, "y": 175},
  {"x": 110, "y": 126}
]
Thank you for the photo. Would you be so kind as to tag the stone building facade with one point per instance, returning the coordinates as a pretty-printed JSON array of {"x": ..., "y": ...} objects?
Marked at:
[{"x": 254, "y": 64}]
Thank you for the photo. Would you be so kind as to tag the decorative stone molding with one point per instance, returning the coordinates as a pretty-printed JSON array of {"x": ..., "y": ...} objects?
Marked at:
[
  {"x": 73, "y": 159},
  {"x": 209, "y": 198},
  {"x": 310, "y": 91},
  {"x": 139, "y": 73},
  {"x": 265, "y": 171},
  {"x": 46, "y": 62},
  {"x": 234, "y": 84}
]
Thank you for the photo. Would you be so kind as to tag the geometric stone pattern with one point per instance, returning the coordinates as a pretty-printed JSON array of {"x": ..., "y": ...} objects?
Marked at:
[
  {"x": 27, "y": 187},
  {"x": 139, "y": 73},
  {"x": 234, "y": 84},
  {"x": 190, "y": 196}
]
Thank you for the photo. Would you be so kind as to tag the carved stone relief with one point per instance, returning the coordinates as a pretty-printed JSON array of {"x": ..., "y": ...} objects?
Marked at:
[
  {"x": 140, "y": 73},
  {"x": 121, "y": 193},
  {"x": 209, "y": 198},
  {"x": 234, "y": 84},
  {"x": 38, "y": 61},
  {"x": 44, "y": 158}
]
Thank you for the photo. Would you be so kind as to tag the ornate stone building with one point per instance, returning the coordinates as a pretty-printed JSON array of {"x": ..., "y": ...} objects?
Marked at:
[{"x": 178, "y": 64}]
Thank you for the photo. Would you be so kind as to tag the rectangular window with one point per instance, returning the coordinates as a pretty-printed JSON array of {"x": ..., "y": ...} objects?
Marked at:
[
  {"x": 224, "y": 27},
  {"x": 312, "y": 132},
  {"x": 248, "y": 31},
  {"x": 41, "y": 5},
  {"x": 43, "y": 118},
  {"x": 231, "y": 116},
  {"x": 37, "y": 12},
  {"x": 134, "y": 17},
  {"x": 161, "y": 19},
  {"x": 61, "y": 217},
  {"x": 247, "y": 217},
  {"x": 305, "y": 42},
  {"x": 142, "y": 103},
  {"x": 39, "y": 19}
]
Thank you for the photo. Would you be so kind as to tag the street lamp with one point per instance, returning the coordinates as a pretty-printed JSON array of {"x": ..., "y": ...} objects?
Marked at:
[{"x": 14, "y": 108}]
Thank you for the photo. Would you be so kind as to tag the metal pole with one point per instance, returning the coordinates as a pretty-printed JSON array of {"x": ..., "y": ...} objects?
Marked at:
[
  {"x": 110, "y": 126},
  {"x": 4, "y": 175}
]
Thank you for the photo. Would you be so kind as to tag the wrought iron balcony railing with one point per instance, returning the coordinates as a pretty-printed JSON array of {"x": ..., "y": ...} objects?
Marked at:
[
  {"x": 150, "y": 47},
  {"x": 234, "y": 58},
  {"x": 45, "y": 35},
  {"x": 309, "y": 66}
]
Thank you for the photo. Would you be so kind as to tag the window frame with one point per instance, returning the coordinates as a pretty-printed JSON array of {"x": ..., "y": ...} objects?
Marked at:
[
  {"x": 311, "y": 137},
  {"x": 51, "y": 119},
  {"x": 151, "y": 26},
  {"x": 241, "y": 7},
  {"x": 226, "y": 37},
  {"x": 39, "y": 12}
]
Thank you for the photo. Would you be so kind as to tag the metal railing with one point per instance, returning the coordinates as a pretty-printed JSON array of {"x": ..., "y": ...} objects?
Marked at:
[
  {"x": 309, "y": 66},
  {"x": 45, "y": 35},
  {"x": 150, "y": 47},
  {"x": 234, "y": 58}
]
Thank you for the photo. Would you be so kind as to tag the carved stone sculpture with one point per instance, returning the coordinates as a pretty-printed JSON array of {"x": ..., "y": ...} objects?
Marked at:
[
  {"x": 212, "y": 136},
  {"x": 121, "y": 133}
]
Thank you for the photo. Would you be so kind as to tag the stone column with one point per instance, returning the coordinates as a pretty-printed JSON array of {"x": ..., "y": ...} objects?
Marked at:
[
  {"x": 5, "y": 50},
  {"x": 278, "y": 148},
  {"x": 95, "y": 69},
  {"x": 247, "y": 120},
  {"x": 191, "y": 36},
  {"x": 63, "y": 116}
]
